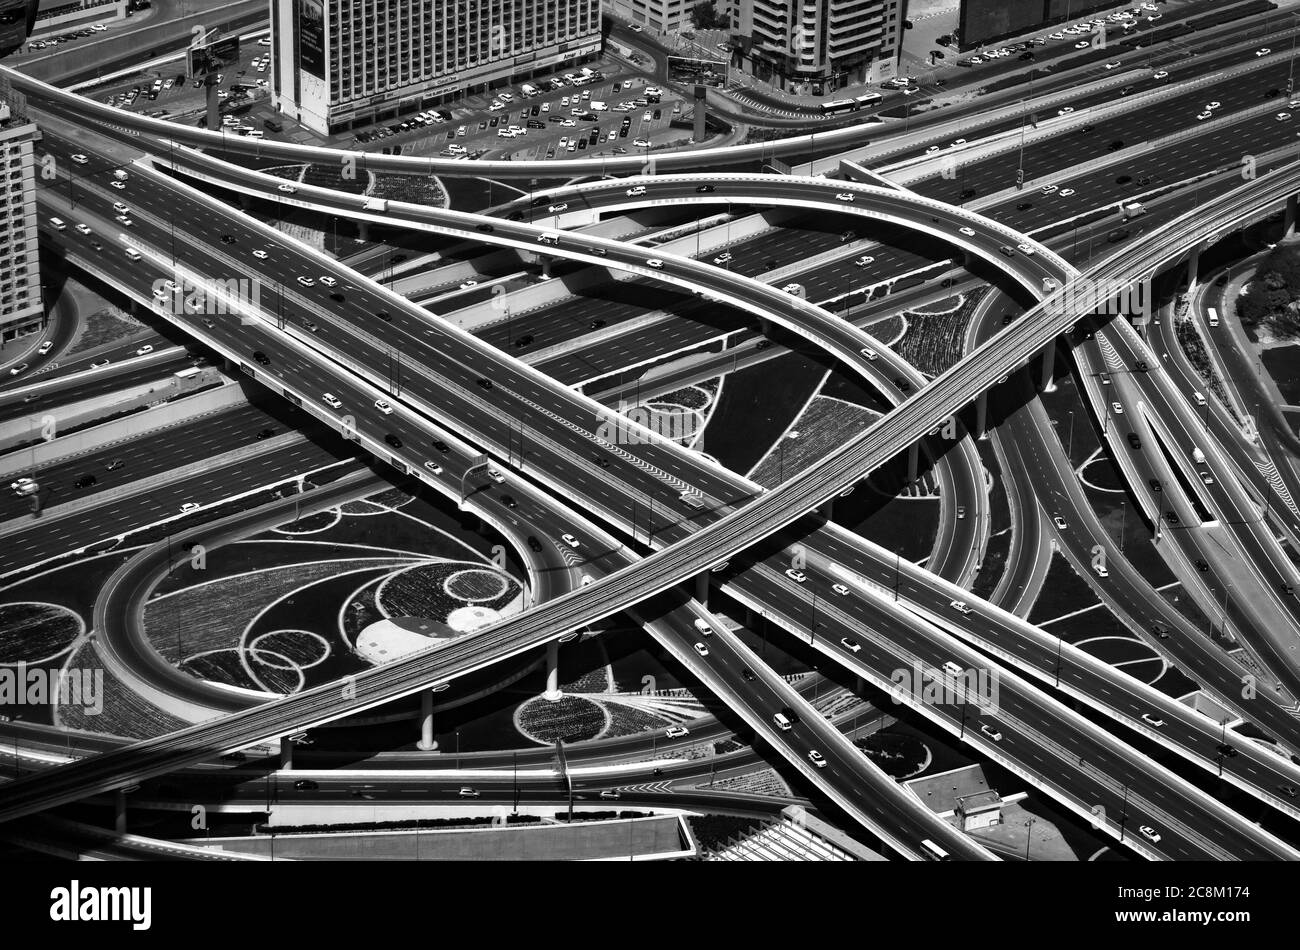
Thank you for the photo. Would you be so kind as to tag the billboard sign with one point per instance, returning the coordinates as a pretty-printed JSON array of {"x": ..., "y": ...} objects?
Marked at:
[
  {"x": 311, "y": 37},
  {"x": 709, "y": 72},
  {"x": 208, "y": 59}
]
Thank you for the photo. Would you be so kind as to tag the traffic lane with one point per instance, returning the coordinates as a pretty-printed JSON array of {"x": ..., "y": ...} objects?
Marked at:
[
  {"x": 1026, "y": 749},
  {"x": 75, "y": 390}
]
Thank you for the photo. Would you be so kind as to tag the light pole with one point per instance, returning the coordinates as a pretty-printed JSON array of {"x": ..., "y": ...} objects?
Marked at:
[{"x": 1029, "y": 835}]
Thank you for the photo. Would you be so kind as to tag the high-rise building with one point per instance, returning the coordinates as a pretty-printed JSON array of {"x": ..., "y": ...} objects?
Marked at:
[
  {"x": 661, "y": 16},
  {"x": 813, "y": 47},
  {"x": 340, "y": 65},
  {"x": 983, "y": 21},
  {"x": 21, "y": 309}
]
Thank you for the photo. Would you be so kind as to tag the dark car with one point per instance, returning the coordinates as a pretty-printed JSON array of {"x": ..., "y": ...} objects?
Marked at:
[
  {"x": 1155, "y": 484},
  {"x": 762, "y": 344},
  {"x": 1134, "y": 442},
  {"x": 1124, "y": 180},
  {"x": 1006, "y": 319},
  {"x": 441, "y": 446},
  {"x": 1202, "y": 566},
  {"x": 114, "y": 465},
  {"x": 265, "y": 433},
  {"x": 393, "y": 440},
  {"x": 1141, "y": 366},
  {"x": 509, "y": 501},
  {"x": 903, "y": 384},
  {"x": 1160, "y": 631},
  {"x": 748, "y": 675},
  {"x": 534, "y": 543},
  {"x": 1027, "y": 56},
  {"x": 483, "y": 382},
  {"x": 704, "y": 189},
  {"x": 1227, "y": 751},
  {"x": 1024, "y": 206},
  {"x": 273, "y": 125},
  {"x": 523, "y": 341},
  {"x": 1119, "y": 234},
  {"x": 305, "y": 785},
  {"x": 1286, "y": 588},
  {"x": 227, "y": 239},
  {"x": 1115, "y": 146},
  {"x": 601, "y": 461},
  {"x": 1171, "y": 516},
  {"x": 486, "y": 228},
  {"x": 967, "y": 194},
  {"x": 261, "y": 358},
  {"x": 85, "y": 481},
  {"x": 595, "y": 324},
  {"x": 234, "y": 757},
  {"x": 384, "y": 315}
]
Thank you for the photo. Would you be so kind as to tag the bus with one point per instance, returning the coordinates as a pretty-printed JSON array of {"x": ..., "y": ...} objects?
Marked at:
[
  {"x": 840, "y": 106},
  {"x": 1212, "y": 316},
  {"x": 933, "y": 851},
  {"x": 187, "y": 373}
]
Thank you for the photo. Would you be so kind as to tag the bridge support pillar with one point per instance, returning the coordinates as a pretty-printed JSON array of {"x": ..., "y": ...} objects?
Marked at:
[
  {"x": 1049, "y": 368},
  {"x": 982, "y": 415},
  {"x": 546, "y": 267},
  {"x": 119, "y": 811},
  {"x": 427, "y": 741},
  {"x": 552, "y": 693},
  {"x": 827, "y": 509},
  {"x": 286, "y": 754},
  {"x": 1289, "y": 217},
  {"x": 913, "y": 462},
  {"x": 1193, "y": 267},
  {"x": 702, "y": 587},
  {"x": 363, "y": 230}
]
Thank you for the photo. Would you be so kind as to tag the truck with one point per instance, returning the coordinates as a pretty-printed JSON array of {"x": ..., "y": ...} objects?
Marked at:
[
  {"x": 1197, "y": 455},
  {"x": 376, "y": 204},
  {"x": 1133, "y": 209},
  {"x": 120, "y": 175},
  {"x": 597, "y": 105},
  {"x": 528, "y": 90}
]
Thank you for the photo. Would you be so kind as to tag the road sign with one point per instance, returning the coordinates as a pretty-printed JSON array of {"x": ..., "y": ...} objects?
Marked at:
[{"x": 210, "y": 58}]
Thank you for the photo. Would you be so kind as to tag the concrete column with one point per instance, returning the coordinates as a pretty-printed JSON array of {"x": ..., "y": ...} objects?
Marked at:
[
  {"x": 1290, "y": 216},
  {"x": 552, "y": 693},
  {"x": 546, "y": 267},
  {"x": 765, "y": 325},
  {"x": 214, "y": 105},
  {"x": 827, "y": 509},
  {"x": 702, "y": 587},
  {"x": 913, "y": 462},
  {"x": 286, "y": 754},
  {"x": 1049, "y": 367},
  {"x": 427, "y": 742},
  {"x": 981, "y": 415},
  {"x": 363, "y": 230},
  {"x": 119, "y": 812},
  {"x": 1193, "y": 266}
]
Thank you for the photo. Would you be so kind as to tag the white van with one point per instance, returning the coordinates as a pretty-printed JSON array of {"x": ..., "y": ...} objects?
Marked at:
[
  {"x": 782, "y": 722},
  {"x": 1198, "y": 398},
  {"x": 952, "y": 669},
  {"x": 132, "y": 254},
  {"x": 549, "y": 237},
  {"x": 703, "y": 627},
  {"x": 57, "y": 224}
]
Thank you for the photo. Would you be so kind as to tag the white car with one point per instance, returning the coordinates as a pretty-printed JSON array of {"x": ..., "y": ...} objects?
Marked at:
[
  {"x": 961, "y": 607},
  {"x": 287, "y": 188},
  {"x": 817, "y": 759},
  {"x": 866, "y": 260},
  {"x": 676, "y": 732},
  {"x": 328, "y": 281},
  {"x": 1161, "y": 74},
  {"x": 189, "y": 506},
  {"x": 1050, "y": 189},
  {"x": 723, "y": 258},
  {"x": 383, "y": 407},
  {"x": 1263, "y": 52},
  {"x": 1283, "y": 116},
  {"x": 497, "y": 477},
  {"x": 932, "y": 149},
  {"x": 433, "y": 467},
  {"x": 844, "y": 196},
  {"x": 45, "y": 347},
  {"x": 467, "y": 284},
  {"x": 1026, "y": 249},
  {"x": 636, "y": 191},
  {"x": 570, "y": 540},
  {"x": 260, "y": 254},
  {"x": 701, "y": 649},
  {"x": 851, "y": 645},
  {"x": 991, "y": 732},
  {"x": 119, "y": 185},
  {"x": 306, "y": 281},
  {"x": 958, "y": 142},
  {"x": 840, "y": 589},
  {"x": 334, "y": 402},
  {"x": 124, "y": 220},
  {"x": 1211, "y": 106},
  {"x": 1151, "y": 720},
  {"x": 1059, "y": 522},
  {"x": 642, "y": 143},
  {"x": 796, "y": 575},
  {"x": 1066, "y": 111},
  {"x": 80, "y": 159},
  {"x": 556, "y": 209},
  {"x": 1117, "y": 408},
  {"x": 1202, "y": 116},
  {"x": 655, "y": 263},
  {"x": 144, "y": 350},
  {"x": 1082, "y": 44},
  {"x": 1150, "y": 834},
  {"x": 1114, "y": 65},
  {"x": 969, "y": 232},
  {"x": 84, "y": 229}
]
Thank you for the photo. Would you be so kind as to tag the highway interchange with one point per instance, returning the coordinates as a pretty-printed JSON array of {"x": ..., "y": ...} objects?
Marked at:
[{"x": 453, "y": 389}]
